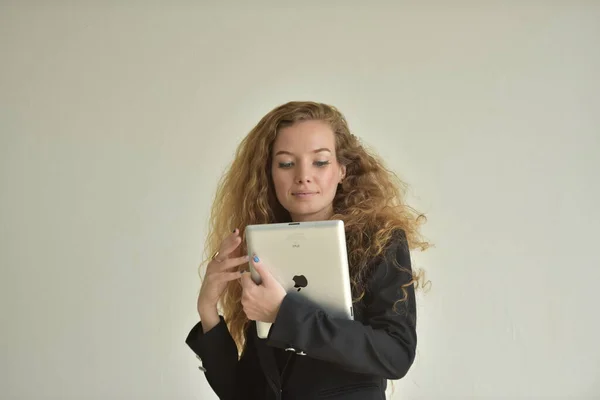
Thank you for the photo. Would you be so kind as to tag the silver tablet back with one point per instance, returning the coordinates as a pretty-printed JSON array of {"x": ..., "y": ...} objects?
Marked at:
[{"x": 307, "y": 257}]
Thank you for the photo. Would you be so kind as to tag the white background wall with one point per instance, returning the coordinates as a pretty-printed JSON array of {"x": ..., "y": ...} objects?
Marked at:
[{"x": 117, "y": 117}]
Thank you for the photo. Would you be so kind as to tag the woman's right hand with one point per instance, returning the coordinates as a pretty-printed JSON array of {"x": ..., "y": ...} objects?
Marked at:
[{"x": 220, "y": 271}]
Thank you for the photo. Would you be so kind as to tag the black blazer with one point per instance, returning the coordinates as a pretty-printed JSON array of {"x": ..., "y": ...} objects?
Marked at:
[{"x": 310, "y": 355}]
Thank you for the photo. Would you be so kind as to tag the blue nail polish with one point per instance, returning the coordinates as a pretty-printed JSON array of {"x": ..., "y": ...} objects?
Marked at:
[{"x": 256, "y": 259}]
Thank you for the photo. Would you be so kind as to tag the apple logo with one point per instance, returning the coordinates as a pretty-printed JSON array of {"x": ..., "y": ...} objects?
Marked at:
[{"x": 300, "y": 282}]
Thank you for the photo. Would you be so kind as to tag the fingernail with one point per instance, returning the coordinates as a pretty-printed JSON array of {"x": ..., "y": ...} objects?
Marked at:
[{"x": 256, "y": 259}]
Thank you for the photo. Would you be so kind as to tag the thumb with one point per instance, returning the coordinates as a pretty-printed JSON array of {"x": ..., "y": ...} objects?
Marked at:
[{"x": 264, "y": 273}]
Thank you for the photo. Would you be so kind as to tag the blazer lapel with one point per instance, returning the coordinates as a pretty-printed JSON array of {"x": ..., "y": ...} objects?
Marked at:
[{"x": 267, "y": 360}]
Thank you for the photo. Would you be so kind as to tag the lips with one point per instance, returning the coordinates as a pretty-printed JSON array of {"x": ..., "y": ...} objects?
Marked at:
[{"x": 303, "y": 193}]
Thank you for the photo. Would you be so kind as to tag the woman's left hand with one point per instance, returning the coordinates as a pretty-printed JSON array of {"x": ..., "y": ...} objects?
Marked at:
[{"x": 261, "y": 302}]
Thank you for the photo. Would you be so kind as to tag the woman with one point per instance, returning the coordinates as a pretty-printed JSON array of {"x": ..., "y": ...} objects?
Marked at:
[{"x": 301, "y": 163}]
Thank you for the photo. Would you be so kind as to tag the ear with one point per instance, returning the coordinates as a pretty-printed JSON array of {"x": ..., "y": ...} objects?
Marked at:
[{"x": 342, "y": 172}]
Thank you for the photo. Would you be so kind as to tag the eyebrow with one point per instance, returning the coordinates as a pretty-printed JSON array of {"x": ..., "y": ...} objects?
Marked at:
[{"x": 314, "y": 151}]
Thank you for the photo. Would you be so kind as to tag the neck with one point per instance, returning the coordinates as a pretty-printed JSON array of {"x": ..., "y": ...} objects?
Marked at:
[{"x": 322, "y": 215}]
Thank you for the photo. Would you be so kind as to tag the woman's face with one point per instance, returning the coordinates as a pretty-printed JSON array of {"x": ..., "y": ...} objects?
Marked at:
[{"x": 305, "y": 170}]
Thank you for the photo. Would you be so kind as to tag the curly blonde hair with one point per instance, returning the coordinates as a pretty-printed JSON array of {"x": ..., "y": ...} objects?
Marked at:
[{"x": 370, "y": 201}]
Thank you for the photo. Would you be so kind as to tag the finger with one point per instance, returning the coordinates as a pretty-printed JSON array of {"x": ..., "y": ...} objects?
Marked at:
[
  {"x": 233, "y": 262},
  {"x": 232, "y": 242},
  {"x": 229, "y": 276},
  {"x": 247, "y": 281},
  {"x": 264, "y": 273},
  {"x": 228, "y": 245}
]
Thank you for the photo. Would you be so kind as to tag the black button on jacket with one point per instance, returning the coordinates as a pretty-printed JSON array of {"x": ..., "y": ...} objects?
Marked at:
[{"x": 310, "y": 355}]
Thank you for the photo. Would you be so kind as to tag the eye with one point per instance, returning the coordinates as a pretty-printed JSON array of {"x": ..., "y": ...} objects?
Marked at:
[
  {"x": 285, "y": 165},
  {"x": 322, "y": 163}
]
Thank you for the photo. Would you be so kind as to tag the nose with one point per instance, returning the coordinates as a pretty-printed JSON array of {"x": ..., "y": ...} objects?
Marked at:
[
  {"x": 302, "y": 175},
  {"x": 302, "y": 180}
]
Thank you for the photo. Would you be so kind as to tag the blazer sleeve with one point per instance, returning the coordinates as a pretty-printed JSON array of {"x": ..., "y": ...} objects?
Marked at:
[
  {"x": 382, "y": 344},
  {"x": 230, "y": 378}
]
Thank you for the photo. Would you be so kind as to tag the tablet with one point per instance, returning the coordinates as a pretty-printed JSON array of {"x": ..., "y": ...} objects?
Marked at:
[{"x": 309, "y": 258}]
